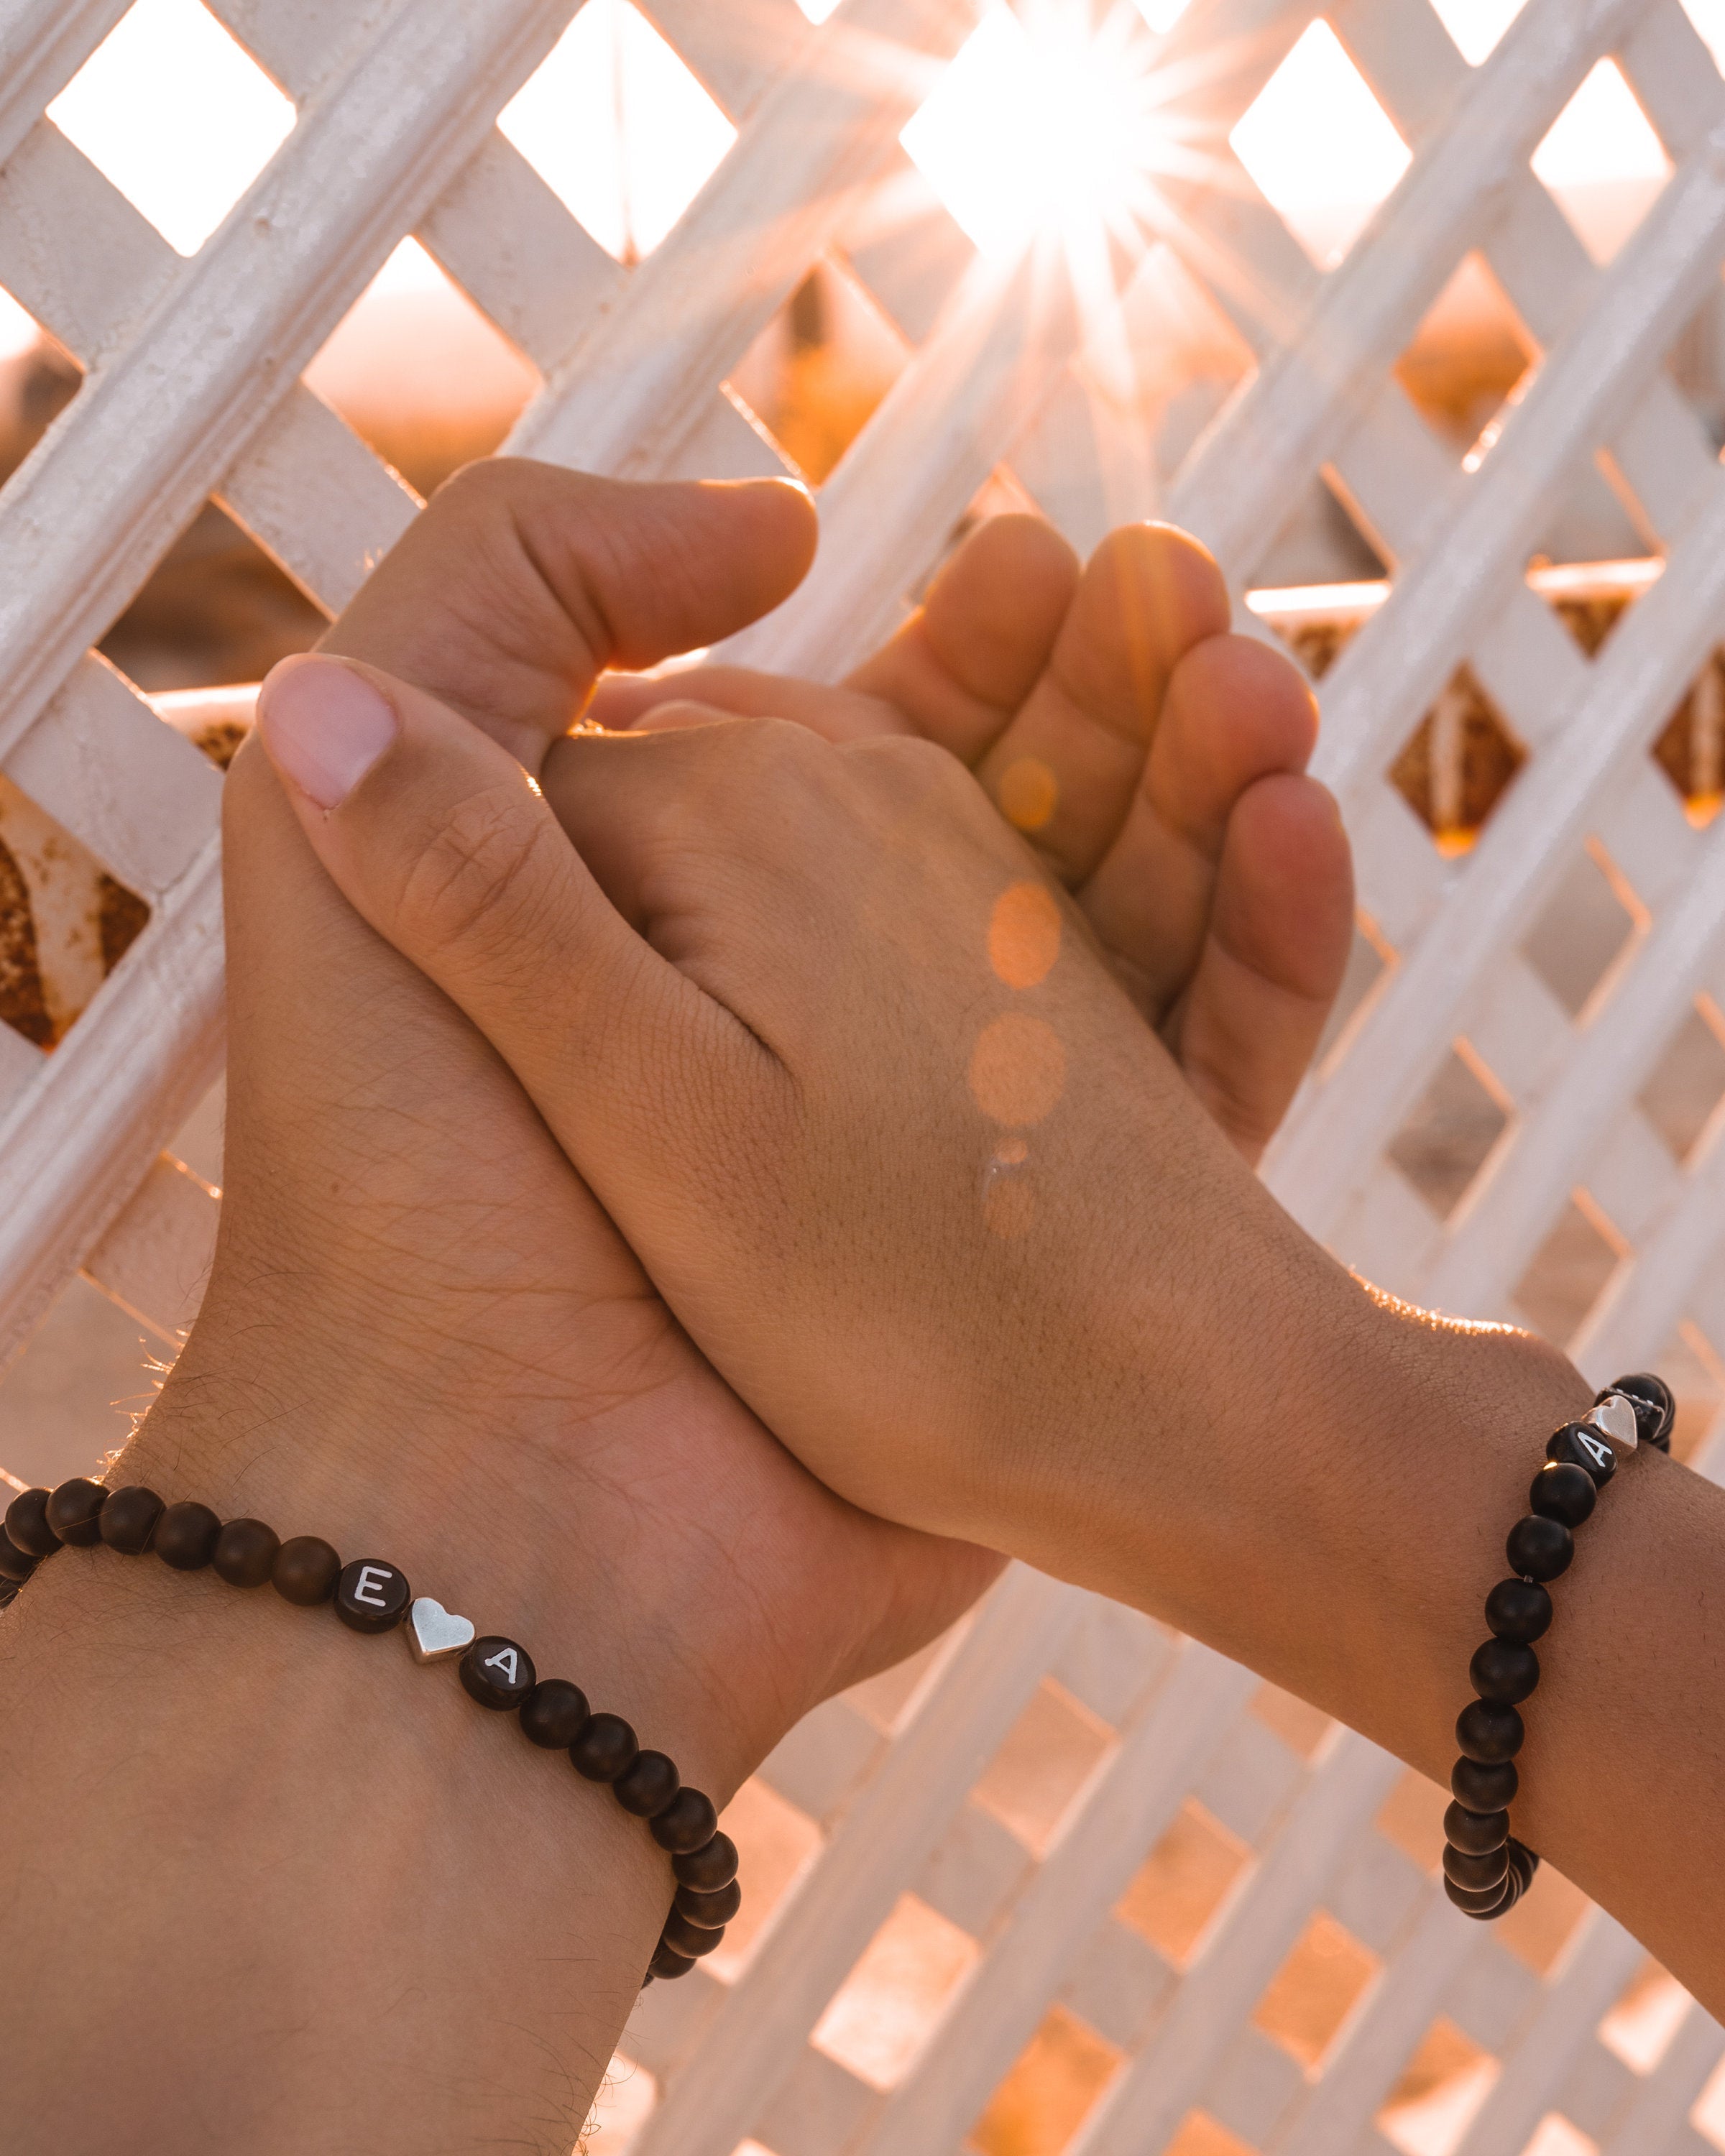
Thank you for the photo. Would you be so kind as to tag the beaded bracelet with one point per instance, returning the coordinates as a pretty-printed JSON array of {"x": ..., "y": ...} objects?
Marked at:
[
  {"x": 371, "y": 1596},
  {"x": 1486, "y": 1870}
]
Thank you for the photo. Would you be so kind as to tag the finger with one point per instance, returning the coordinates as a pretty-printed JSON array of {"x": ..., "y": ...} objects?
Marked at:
[
  {"x": 1064, "y": 771},
  {"x": 621, "y": 702},
  {"x": 1272, "y": 960},
  {"x": 521, "y": 582},
  {"x": 1234, "y": 712},
  {"x": 439, "y": 840},
  {"x": 974, "y": 650}
]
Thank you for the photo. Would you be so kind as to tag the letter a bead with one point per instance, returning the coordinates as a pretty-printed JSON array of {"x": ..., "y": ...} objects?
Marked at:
[{"x": 497, "y": 1673}]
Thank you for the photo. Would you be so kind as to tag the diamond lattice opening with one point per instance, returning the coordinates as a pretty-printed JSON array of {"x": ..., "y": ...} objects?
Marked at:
[
  {"x": 1049, "y": 1754},
  {"x": 1682, "y": 1095},
  {"x": 1412, "y": 1818},
  {"x": 1199, "y": 2135},
  {"x": 1439, "y": 2094},
  {"x": 216, "y": 608},
  {"x": 1558, "y": 2136},
  {"x": 1602, "y": 162},
  {"x": 420, "y": 373},
  {"x": 1586, "y": 929},
  {"x": 65, "y": 923},
  {"x": 816, "y": 374},
  {"x": 882, "y": 2014},
  {"x": 1326, "y": 543},
  {"x": 1453, "y": 1131},
  {"x": 1458, "y": 763},
  {"x": 1471, "y": 358},
  {"x": 1321, "y": 150},
  {"x": 1591, "y": 597},
  {"x": 1318, "y": 622},
  {"x": 39, "y": 378},
  {"x": 1707, "y": 2115},
  {"x": 1044, "y": 2099},
  {"x": 173, "y": 110},
  {"x": 1639, "y": 2027},
  {"x": 1691, "y": 750},
  {"x": 1315, "y": 1990},
  {"x": 617, "y": 128},
  {"x": 1571, "y": 1269},
  {"x": 1476, "y": 25},
  {"x": 1177, "y": 1890}
]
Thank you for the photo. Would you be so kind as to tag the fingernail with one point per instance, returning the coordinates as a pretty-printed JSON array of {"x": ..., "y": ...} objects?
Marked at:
[{"x": 324, "y": 726}]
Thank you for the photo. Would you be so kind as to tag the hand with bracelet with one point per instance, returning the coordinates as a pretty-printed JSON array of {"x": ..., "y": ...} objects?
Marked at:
[
  {"x": 321, "y": 1901},
  {"x": 962, "y": 1239}
]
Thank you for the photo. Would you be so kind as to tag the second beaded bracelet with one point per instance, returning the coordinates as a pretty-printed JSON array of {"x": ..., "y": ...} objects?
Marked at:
[
  {"x": 371, "y": 1596},
  {"x": 1486, "y": 1870}
]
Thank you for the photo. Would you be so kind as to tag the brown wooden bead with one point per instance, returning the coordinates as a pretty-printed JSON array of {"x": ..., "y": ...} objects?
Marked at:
[
  {"x": 246, "y": 1553},
  {"x": 16, "y": 1565},
  {"x": 497, "y": 1673},
  {"x": 707, "y": 1870},
  {"x": 371, "y": 1596},
  {"x": 186, "y": 1536},
  {"x": 1489, "y": 1733},
  {"x": 688, "y": 1821},
  {"x": 74, "y": 1513},
  {"x": 1475, "y": 1870},
  {"x": 604, "y": 1749},
  {"x": 554, "y": 1713},
  {"x": 305, "y": 1571},
  {"x": 667, "y": 1963},
  {"x": 27, "y": 1524},
  {"x": 714, "y": 1911},
  {"x": 683, "y": 1937},
  {"x": 649, "y": 1786},
  {"x": 129, "y": 1519}
]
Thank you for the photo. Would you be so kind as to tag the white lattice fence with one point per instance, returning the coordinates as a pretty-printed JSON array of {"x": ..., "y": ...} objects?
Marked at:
[{"x": 192, "y": 392}]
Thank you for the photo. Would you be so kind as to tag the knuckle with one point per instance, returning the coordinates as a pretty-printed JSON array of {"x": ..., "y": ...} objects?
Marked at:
[{"x": 476, "y": 883}]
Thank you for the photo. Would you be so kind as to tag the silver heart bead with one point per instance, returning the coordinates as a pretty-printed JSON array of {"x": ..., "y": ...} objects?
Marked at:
[
  {"x": 434, "y": 1631},
  {"x": 1614, "y": 1418}
]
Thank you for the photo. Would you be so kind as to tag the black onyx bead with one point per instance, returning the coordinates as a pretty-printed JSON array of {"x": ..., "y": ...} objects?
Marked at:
[
  {"x": 74, "y": 1513},
  {"x": 1489, "y": 1733},
  {"x": 1476, "y": 1832},
  {"x": 27, "y": 1524},
  {"x": 16, "y": 1565},
  {"x": 668, "y": 1963},
  {"x": 1655, "y": 1411},
  {"x": 186, "y": 1536},
  {"x": 371, "y": 1596},
  {"x": 246, "y": 1553},
  {"x": 1494, "y": 1901},
  {"x": 714, "y": 1911},
  {"x": 1539, "y": 1549},
  {"x": 552, "y": 1713},
  {"x": 1502, "y": 1672},
  {"x": 1518, "y": 1610},
  {"x": 649, "y": 1786},
  {"x": 1582, "y": 1447},
  {"x": 305, "y": 1571},
  {"x": 683, "y": 1937},
  {"x": 497, "y": 1673},
  {"x": 1484, "y": 1785},
  {"x": 1561, "y": 1491},
  {"x": 688, "y": 1822},
  {"x": 604, "y": 1749},
  {"x": 707, "y": 1870},
  {"x": 1475, "y": 1873},
  {"x": 129, "y": 1519}
]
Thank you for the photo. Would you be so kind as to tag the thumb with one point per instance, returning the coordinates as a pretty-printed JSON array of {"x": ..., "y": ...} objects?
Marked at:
[{"x": 438, "y": 839}]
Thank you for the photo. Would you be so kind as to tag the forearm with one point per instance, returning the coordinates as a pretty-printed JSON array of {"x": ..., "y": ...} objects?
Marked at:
[
  {"x": 294, "y": 1890},
  {"x": 1337, "y": 1522}
]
